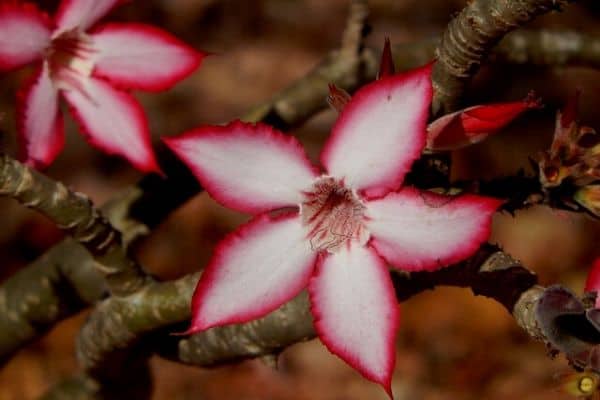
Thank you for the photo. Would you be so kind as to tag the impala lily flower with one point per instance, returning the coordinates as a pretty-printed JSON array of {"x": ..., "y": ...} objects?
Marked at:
[
  {"x": 85, "y": 65},
  {"x": 345, "y": 224}
]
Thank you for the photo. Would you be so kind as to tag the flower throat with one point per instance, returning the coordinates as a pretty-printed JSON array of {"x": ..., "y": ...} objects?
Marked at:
[{"x": 334, "y": 216}]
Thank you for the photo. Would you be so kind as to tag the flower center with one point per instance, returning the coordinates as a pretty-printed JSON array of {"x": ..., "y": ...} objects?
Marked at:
[
  {"x": 71, "y": 59},
  {"x": 334, "y": 216}
]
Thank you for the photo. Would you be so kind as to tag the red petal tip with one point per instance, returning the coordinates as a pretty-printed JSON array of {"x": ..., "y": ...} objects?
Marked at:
[
  {"x": 386, "y": 65},
  {"x": 188, "y": 332}
]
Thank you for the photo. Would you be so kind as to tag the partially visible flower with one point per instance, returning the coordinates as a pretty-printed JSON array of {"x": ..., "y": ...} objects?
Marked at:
[
  {"x": 341, "y": 227},
  {"x": 592, "y": 283},
  {"x": 85, "y": 63}
]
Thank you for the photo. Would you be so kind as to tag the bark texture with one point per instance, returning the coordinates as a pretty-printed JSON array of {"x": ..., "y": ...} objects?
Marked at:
[{"x": 470, "y": 37}]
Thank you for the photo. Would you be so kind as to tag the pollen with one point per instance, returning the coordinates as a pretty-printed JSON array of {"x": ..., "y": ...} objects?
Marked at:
[{"x": 334, "y": 216}]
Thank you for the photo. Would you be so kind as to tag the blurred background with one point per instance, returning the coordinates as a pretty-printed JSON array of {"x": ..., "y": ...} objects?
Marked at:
[{"x": 451, "y": 345}]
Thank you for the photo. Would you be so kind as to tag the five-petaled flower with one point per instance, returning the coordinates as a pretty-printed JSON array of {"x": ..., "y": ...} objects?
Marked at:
[
  {"x": 345, "y": 225},
  {"x": 83, "y": 62}
]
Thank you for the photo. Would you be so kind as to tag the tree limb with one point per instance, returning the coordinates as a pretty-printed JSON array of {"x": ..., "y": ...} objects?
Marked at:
[
  {"x": 74, "y": 213},
  {"x": 470, "y": 37},
  {"x": 120, "y": 323},
  {"x": 57, "y": 285}
]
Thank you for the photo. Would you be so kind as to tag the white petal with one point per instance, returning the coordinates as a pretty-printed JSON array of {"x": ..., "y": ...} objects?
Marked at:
[
  {"x": 253, "y": 271},
  {"x": 24, "y": 34},
  {"x": 138, "y": 56},
  {"x": 114, "y": 122},
  {"x": 380, "y": 132},
  {"x": 247, "y": 167},
  {"x": 356, "y": 312},
  {"x": 40, "y": 122},
  {"x": 82, "y": 14},
  {"x": 416, "y": 230}
]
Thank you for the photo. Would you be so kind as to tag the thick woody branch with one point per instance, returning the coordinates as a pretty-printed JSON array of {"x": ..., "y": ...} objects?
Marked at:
[
  {"x": 264, "y": 337},
  {"x": 119, "y": 323},
  {"x": 552, "y": 315},
  {"x": 143, "y": 322},
  {"x": 469, "y": 39},
  {"x": 74, "y": 213},
  {"x": 275, "y": 332},
  {"x": 56, "y": 286}
]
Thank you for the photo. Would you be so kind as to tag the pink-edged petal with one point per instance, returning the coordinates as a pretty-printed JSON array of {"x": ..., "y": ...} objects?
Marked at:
[
  {"x": 417, "y": 231},
  {"x": 142, "y": 57},
  {"x": 40, "y": 122},
  {"x": 114, "y": 122},
  {"x": 356, "y": 312},
  {"x": 248, "y": 167},
  {"x": 474, "y": 124},
  {"x": 83, "y": 14},
  {"x": 380, "y": 132},
  {"x": 253, "y": 271},
  {"x": 24, "y": 34},
  {"x": 592, "y": 283}
]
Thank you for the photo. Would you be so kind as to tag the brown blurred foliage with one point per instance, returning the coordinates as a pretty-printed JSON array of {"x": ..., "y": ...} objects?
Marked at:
[{"x": 451, "y": 344}]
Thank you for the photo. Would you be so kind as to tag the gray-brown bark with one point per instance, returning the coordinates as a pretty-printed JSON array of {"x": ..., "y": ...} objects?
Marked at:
[
  {"x": 470, "y": 37},
  {"x": 74, "y": 213}
]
